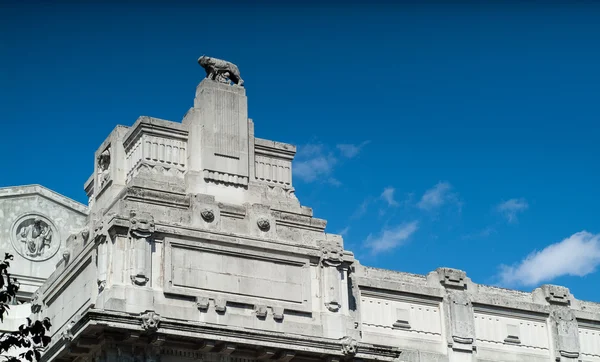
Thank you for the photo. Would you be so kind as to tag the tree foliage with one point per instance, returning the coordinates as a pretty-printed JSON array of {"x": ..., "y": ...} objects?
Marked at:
[{"x": 31, "y": 337}]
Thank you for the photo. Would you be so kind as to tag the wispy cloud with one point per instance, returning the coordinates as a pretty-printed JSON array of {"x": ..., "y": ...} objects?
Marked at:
[
  {"x": 362, "y": 209},
  {"x": 388, "y": 196},
  {"x": 577, "y": 255},
  {"x": 344, "y": 231},
  {"x": 314, "y": 164},
  {"x": 391, "y": 238},
  {"x": 437, "y": 196},
  {"x": 351, "y": 150},
  {"x": 481, "y": 234},
  {"x": 511, "y": 208}
]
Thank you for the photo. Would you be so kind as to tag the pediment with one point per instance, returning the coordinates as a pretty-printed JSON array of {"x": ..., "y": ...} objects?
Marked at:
[{"x": 38, "y": 190}]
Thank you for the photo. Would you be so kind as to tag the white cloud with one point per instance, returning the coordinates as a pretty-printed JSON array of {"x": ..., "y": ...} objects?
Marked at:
[
  {"x": 388, "y": 196},
  {"x": 350, "y": 150},
  {"x": 391, "y": 238},
  {"x": 437, "y": 196},
  {"x": 511, "y": 208},
  {"x": 310, "y": 150},
  {"x": 577, "y": 255},
  {"x": 314, "y": 164},
  {"x": 310, "y": 170}
]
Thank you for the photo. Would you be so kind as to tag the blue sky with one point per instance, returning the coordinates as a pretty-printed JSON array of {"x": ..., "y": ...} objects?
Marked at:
[{"x": 429, "y": 135}]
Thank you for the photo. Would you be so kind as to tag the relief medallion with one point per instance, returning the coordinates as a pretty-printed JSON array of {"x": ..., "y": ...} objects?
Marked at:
[{"x": 35, "y": 237}]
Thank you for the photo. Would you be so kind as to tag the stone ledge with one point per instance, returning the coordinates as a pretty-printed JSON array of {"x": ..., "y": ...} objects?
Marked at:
[
  {"x": 155, "y": 127},
  {"x": 98, "y": 324}
]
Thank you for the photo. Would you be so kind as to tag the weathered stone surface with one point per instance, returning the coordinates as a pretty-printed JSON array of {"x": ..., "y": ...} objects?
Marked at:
[
  {"x": 35, "y": 224},
  {"x": 194, "y": 248}
]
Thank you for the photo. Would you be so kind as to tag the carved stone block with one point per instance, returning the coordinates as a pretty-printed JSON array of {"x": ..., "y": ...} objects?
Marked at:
[
  {"x": 513, "y": 333},
  {"x": 333, "y": 306},
  {"x": 462, "y": 326},
  {"x": 566, "y": 332},
  {"x": 141, "y": 224},
  {"x": 555, "y": 294},
  {"x": 67, "y": 333},
  {"x": 402, "y": 319},
  {"x": 278, "y": 313},
  {"x": 452, "y": 278},
  {"x": 261, "y": 311},
  {"x": 332, "y": 253},
  {"x": 208, "y": 215},
  {"x": 349, "y": 346},
  {"x": 150, "y": 321},
  {"x": 202, "y": 303},
  {"x": 220, "y": 305},
  {"x": 263, "y": 224},
  {"x": 36, "y": 305}
]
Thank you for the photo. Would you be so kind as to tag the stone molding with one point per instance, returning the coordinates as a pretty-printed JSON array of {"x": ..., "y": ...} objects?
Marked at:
[
  {"x": 281, "y": 345},
  {"x": 39, "y": 190}
]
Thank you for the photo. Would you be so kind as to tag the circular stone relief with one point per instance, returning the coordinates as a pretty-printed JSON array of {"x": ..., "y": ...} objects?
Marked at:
[{"x": 35, "y": 237}]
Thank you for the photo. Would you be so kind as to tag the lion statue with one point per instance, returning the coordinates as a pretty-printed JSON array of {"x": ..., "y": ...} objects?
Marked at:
[{"x": 221, "y": 71}]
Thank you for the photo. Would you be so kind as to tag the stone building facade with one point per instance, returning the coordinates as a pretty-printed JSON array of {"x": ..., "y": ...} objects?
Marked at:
[{"x": 193, "y": 247}]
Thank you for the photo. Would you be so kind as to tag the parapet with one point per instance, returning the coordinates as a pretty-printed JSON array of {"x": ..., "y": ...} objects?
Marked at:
[{"x": 445, "y": 315}]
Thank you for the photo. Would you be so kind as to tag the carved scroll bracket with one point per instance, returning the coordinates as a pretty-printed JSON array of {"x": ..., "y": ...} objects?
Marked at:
[
  {"x": 36, "y": 303},
  {"x": 203, "y": 304},
  {"x": 332, "y": 253},
  {"x": 150, "y": 321},
  {"x": 331, "y": 261},
  {"x": 566, "y": 333},
  {"x": 462, "y": 325},
  {"x": 349, "y": 346},
  {"x": 141, "y": 231}
]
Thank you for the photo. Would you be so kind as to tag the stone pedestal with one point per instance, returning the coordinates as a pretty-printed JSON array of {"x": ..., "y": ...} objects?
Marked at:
[{"x": 218, "y": 139}]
